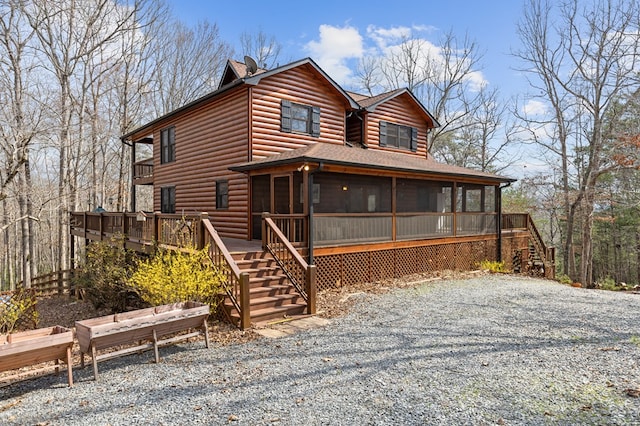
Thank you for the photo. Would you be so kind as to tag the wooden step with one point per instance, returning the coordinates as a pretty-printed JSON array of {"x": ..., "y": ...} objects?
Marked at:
[
  {"x": 268, "y": 271},
  {"x": 251, "y": 255},
  {"x": 268, "y": 280},
  {"x": 271, "y": 290},
  {"x": 273, "y": 313}
]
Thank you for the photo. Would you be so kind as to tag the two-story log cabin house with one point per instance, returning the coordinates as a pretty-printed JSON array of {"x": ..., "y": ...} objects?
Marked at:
[{"x": 346, "y": 179}]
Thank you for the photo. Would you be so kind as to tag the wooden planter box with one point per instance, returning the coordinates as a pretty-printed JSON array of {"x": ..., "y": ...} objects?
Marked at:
[
  {"x": 27, "y": 348},
  {"x": 143, "y": 328}
]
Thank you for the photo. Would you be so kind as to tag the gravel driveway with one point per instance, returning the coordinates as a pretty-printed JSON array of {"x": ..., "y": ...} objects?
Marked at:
[{"x": 488, "y": 350}]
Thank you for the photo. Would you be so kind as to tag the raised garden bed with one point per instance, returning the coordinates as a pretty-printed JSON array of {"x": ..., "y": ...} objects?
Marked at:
[
  {"x": 38, "y": 346},
  {"x": 143, "y": 328}
]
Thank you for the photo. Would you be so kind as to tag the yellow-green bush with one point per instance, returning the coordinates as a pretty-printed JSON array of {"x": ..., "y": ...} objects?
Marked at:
[
  {"x": 493, "y": 266},
  {"x": 18, "y": 310},
  {"x": 177, "y": 276}
]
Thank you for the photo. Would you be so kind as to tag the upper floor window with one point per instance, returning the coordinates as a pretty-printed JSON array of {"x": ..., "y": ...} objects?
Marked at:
[
  {"x": 222, "y": 194},
  {"x": 397, "y": 136},
  {"x": 168, "y": 199},
  {"x": 297, "y": 118},
  {"x": 168, "y": 145}
]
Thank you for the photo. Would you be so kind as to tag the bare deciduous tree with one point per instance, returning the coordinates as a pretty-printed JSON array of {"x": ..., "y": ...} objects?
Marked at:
[
  {"x": 188, "y": 63},
  {"x": 580, "y": 59},
  {"x": 263, "y": 48}
]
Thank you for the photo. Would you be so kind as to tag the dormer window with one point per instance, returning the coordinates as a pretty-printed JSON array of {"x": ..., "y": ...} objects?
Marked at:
[
  {"x": 298, "y": 118},
  {"x": 398, "y": 136}
]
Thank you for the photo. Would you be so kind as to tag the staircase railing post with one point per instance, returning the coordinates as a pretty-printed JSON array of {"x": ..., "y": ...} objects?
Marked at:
[
  {"x": 265, "y": 238},
  {"x": 200, "y": 229},
  {"x": 245, "y": 310},
  {"x": 310, "y": 287}
]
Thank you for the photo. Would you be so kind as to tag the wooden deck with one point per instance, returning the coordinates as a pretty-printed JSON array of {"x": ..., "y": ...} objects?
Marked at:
[{"x": 236, "y": 245}]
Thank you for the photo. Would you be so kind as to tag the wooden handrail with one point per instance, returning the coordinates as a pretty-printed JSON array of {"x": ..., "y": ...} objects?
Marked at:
[
  {"x": 294, "y": 266},
  {"x": 237, "y": 284}
]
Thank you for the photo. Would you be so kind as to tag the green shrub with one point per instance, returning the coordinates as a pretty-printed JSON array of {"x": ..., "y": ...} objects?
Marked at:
[
  {"x": 178, "y": 276},
  {"x": 493, "y": 266},
  {"x": 104, "y": 275},
  {"x": 608, "y": 283},
  {"x": 564, "y": 279}
]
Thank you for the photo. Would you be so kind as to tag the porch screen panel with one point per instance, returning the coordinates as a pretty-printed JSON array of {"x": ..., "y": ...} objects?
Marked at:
[
  {"x": 343, "y": 193},
  {"x": 424, "y": 209}
]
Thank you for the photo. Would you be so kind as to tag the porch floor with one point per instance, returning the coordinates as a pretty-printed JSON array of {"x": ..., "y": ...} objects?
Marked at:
[{"x": 236, "y": 245}]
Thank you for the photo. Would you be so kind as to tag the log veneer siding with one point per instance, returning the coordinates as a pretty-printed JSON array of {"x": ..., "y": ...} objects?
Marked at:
[
  {"x": 209, "y": 140},
  {"x": 402, "y": 111},
  {"x": 302, "y": 86}
]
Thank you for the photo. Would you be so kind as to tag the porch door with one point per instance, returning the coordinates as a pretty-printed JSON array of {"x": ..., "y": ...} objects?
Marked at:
[{"x": 282, "y": 195}]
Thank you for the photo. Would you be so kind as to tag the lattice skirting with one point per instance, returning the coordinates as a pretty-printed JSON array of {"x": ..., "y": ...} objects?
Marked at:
[{"x": 337, "y": 270}]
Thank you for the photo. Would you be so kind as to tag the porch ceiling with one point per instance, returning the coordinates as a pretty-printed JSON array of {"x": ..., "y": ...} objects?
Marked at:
[{"x": 329, "y": 154}]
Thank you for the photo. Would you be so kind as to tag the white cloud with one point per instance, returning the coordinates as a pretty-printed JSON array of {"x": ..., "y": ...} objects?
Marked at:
[
  {"x": 476, "y": 81},
  {"x": 534, "y": 108},
  {"x": 335, "y": 47}
]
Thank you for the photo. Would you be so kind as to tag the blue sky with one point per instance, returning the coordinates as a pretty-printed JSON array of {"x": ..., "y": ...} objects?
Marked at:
[{"x": 335, "y": 33}]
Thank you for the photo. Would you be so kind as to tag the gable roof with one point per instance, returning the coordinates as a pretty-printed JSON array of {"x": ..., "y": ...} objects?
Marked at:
[
  {"x": 367, "y": 158},
  {"x": 233, "y": 68},
  {"x": 255, "y": 79},
  {"x": 370, "y": 103}
]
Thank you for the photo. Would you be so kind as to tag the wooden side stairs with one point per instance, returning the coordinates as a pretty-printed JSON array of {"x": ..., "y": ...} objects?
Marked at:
[{"x": 271, "y": 295}]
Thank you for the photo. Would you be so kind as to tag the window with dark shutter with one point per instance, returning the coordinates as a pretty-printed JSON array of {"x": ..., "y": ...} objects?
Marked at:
[
  {"x": 414, "y": 139},
  {"x": 315, "y": 122},
  {"x": 285, "y": 116},
  {"x": 397, "y": 136},
  {"x": 296, "y": 118},
  {"x": 383, "y": 133}
]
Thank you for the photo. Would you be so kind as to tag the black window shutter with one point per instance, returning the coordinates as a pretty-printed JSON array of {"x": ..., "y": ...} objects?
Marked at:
[
  {"x": 383, "y": 133},
  {"x": 315, "y": 122},
  {"x": 414, "y": 139},
  {"x": 285, "y": 116}
]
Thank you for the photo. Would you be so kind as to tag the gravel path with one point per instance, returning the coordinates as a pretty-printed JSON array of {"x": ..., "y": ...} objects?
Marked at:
[{"x": 488, "y": 350}]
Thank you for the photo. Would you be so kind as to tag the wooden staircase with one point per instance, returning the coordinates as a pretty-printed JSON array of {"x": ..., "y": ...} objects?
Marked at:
[{"x": 271, "y": 294}]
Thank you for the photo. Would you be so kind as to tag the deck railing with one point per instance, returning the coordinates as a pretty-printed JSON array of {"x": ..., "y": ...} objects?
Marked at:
[
  {"x": 140, "y": 229},
  {"x": 329, "y": 229},
  {"x": 476, "y": 223},
  {"x": 301, "y": 274},
  {"x": 236, "y": 284},
  {"x": 293, "y": 226},
  {"x": 515, "y": 220},
  {"x": 143, "y": 170},
  {"x": 423, "y": 225},
  {"x": 524, "y": 222}
]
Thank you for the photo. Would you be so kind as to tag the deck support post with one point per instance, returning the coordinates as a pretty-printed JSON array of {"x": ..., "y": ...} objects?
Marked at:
[
  {"x": 310, "y": 288},
  {"x": 245, "y": 310}
]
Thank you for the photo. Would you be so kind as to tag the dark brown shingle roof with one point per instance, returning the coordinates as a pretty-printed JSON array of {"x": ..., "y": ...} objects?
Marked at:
[{"x": 367, "y": 158}]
